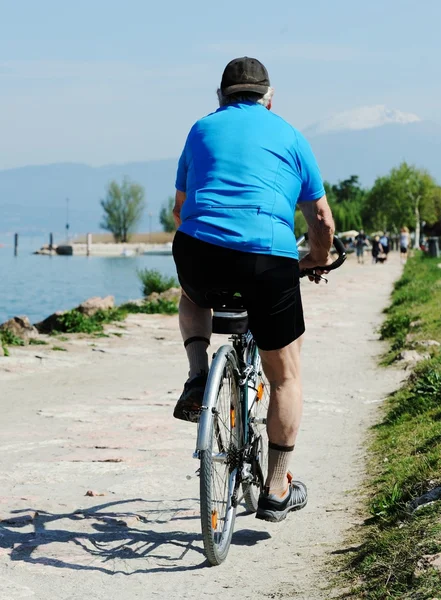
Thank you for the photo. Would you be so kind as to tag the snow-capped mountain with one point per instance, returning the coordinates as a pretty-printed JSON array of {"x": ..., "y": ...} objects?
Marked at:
[
  {"x": 365, "y": 117},
  {"x": 369, "y": 141}
]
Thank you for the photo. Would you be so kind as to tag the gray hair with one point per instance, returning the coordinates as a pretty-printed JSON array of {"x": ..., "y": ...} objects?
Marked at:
[{"x": 263, "y": 99}]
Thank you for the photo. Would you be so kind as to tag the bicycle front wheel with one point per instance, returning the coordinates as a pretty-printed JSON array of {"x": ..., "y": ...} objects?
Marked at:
[{"x": 220, "y": 461}]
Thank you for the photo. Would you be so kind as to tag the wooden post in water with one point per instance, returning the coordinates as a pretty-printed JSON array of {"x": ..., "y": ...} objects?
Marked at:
[
  {"x": 15, "y": 244},
  {"x": 51, "y": 241},
  {"x": 88, "y": 244}
]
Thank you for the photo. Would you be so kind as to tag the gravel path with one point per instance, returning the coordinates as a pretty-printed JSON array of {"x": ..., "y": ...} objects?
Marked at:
[{"x": 98, "y": 418}]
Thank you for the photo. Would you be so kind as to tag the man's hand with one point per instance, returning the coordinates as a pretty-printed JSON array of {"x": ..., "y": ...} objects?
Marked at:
[{"x": 311, "y": 262}]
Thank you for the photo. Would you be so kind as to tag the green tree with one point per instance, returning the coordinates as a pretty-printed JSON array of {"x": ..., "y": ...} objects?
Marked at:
[
  {"x": 346, "y": 199},
  {"x": 436, "y": 199},
  {"x": 123, "y": 208},
  {"x": 348, "y": 190},
  {"x": 166, "y": 216},
  {"x": 404, "y": 197},
  {"x": 329, "y": 192}
]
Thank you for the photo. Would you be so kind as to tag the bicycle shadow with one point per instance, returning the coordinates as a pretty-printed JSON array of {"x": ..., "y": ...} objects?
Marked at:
[{"x": 109, "y": 540}]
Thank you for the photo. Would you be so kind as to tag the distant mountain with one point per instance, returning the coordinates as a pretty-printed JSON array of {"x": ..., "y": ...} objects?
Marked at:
[
  {"x": 374, "y": 151},
  {"x": 367, "y": 141},
  {"x": 365, "y": 117}
]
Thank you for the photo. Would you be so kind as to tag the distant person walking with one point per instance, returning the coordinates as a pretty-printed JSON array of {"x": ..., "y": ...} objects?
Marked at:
[
  {"x": 360, "y": 243},
  {"x": 384, "y": 241},
  {"x": 377, "y": 249},
  {"x": 404, "y": 244}
]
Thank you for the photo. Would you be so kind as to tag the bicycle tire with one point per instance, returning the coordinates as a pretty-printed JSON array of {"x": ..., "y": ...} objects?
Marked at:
[
  {"x": 258, "y": 408},
  {"x": 219, "y": 477}
]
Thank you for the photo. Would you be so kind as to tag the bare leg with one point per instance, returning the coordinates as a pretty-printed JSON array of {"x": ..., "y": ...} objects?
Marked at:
[
  {"x": 282, "y": 368},
  {"x": 195, "y": 322}
]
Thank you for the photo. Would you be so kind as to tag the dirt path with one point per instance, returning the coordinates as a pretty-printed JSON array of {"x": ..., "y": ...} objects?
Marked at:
[{"x": 98, "y": 417}]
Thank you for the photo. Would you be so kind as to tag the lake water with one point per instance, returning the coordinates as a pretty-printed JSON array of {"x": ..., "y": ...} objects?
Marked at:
[{"x": 37, "y": 286}]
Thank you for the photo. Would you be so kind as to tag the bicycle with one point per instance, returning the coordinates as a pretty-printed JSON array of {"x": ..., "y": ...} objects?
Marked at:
[{"x": 231, "y": 442}]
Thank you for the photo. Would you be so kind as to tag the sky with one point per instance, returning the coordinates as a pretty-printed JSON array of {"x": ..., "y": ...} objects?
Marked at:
[{"x": 106, "y": 81}]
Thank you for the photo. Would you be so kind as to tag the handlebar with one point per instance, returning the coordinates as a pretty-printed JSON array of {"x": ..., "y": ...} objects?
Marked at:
[{"x": 341, "y": 251}]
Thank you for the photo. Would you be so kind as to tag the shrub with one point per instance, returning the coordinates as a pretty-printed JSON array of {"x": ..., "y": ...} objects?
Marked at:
[
  {"x": 73, "y": 321},
  {"x": 153, "y": 280},
  {"x": 165, "y": 307},
  {"x": 7, "y": 338},
  {"x": 421, "y": 395},
  {"x": 396, "y": 324}
]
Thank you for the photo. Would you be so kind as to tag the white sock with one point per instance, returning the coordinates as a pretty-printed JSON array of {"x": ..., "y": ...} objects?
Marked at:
[{"x": 278, "y": 462}]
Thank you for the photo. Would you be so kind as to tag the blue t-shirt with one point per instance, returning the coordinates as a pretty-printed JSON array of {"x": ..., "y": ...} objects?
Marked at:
[{"x": 243, "y": 170}]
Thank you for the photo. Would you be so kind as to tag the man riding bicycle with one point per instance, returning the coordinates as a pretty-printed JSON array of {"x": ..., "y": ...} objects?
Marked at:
[{"x": 241, "y": 173}]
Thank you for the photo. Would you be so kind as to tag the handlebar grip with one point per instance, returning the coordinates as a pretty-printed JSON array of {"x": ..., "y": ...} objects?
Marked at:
[
  {"x": 339, "y": 246},
  {"x": 342, "y": 256}
]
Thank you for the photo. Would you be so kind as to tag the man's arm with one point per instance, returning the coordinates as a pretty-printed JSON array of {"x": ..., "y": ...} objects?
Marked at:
[
  {"x": 179, "y": 201},
  {"x": 321, "y": 229}
]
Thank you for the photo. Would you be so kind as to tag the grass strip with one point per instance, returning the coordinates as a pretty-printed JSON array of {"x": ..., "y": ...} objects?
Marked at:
[{"x": 405, "y": 455}]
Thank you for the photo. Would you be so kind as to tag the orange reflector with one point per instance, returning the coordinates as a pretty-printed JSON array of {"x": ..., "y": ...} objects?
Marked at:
[
  {"x": 214, "y": 519},
  {"x": 260, "y": 391},
  {"x": 232, "y": 417}
]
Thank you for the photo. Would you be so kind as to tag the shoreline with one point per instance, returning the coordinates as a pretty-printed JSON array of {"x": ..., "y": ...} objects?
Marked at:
[{"x": 107, "y": 249}]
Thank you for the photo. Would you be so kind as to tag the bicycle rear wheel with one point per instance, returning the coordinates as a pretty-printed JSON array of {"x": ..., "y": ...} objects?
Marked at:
[
  {"x": 257, "y": 413},
  {"x": 220, "y": 461}
]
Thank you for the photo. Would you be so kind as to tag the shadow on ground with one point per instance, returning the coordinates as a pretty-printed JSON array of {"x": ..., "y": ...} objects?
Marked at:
[{"x": 109, "y": 539}]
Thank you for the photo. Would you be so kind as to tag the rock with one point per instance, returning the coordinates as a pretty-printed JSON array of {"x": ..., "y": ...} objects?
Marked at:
[
  {"x": 42, "y": 252},
  {"x": 428, "y": 343},
  {"x": 88, "y": 308},
  {"x": 171, "y": 295},
  {"x": 429, "y": 561},
  {"x": 435, "y": 561},
  {"x": 20, "y": 327},
  {"x": 412, "y": 357},
  {"x": 49, "y": 324},
  {"x": 416, "y": 323},
  {"x": 138, "y": 302},
  {"x": 46, "y": 251},
  {"x": 93, "y": 305},
  {"x": 92, "y": 494},
  {"x": 410, "y": 339}
]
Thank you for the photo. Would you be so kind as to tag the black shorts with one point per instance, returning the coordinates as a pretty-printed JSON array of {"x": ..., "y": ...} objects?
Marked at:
[{"x": 269, "y": 286}]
